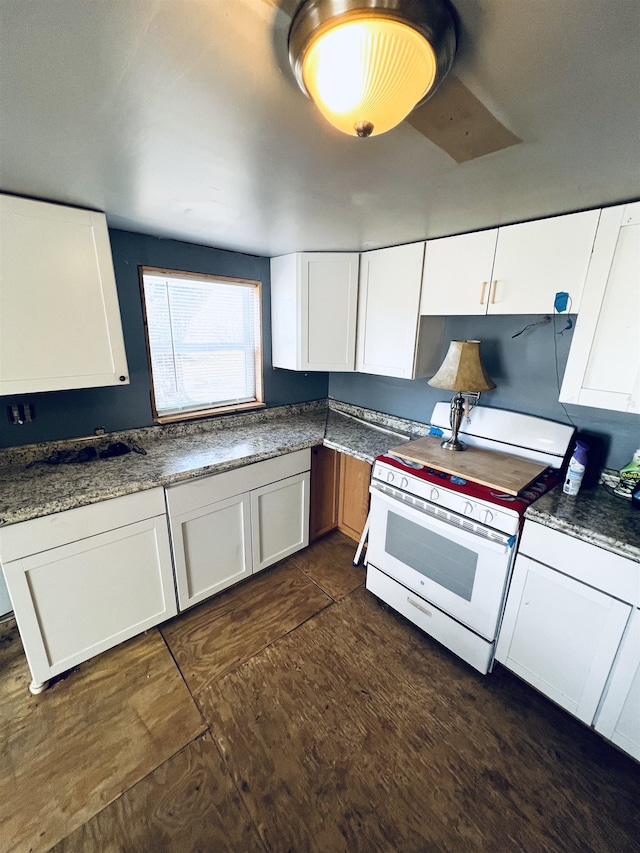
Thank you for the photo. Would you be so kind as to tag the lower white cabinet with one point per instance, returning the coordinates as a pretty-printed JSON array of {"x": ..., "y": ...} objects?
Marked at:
[
  {"x": 571, "y": 628},
  {"x": 561, "y": 636},
  {"x": 211, "y": 548},
  {"x": 225, "y": 527},
  {"x": 618, "y": 718},
  {"x": 279, "y": 519},
  {"x": 84, "y": 580}
]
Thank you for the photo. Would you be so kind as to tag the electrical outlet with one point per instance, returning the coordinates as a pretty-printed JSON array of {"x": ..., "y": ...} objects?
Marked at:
[{"x": 21, "y": 413}]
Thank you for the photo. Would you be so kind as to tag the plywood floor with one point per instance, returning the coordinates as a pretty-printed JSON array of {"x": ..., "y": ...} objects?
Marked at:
[{"x": 293, "y": 713}]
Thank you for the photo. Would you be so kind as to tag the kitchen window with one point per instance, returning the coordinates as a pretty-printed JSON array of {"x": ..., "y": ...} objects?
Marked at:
[{"x": 204, "y": 341}]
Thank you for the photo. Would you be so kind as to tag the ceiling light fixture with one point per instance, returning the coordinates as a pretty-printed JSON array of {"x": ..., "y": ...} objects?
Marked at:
[{"x": 367, "y": 64}]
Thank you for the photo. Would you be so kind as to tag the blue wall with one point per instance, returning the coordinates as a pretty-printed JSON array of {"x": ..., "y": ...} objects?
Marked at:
[
  {"x": 525, "y": 370},
  {"x": 66, "y": 414}
]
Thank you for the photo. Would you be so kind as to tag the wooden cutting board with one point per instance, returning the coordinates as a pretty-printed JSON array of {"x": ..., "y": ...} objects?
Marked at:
[{"x": 499, "y": 471}]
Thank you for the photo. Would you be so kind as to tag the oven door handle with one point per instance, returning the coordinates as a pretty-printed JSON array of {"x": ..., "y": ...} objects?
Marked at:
[{"x": 439, "y": 524}]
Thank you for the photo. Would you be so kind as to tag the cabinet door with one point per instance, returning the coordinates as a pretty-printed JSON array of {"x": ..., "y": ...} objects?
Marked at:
[
  {"x": 560, "y": 635},
  {"x": 536, "y": 260},
  {"x": 279, "y": 520},
  {"x": 603, "y": 368},
  {"x": 355, "y": 476},
  {"x": 619, "y": 716},
  {"x": 323, "y": 511},
  {"x": 457, "y": 273},
  {"x": 314, "y": 297},
  {"x": 388, "y": 310},
  {"x": 59, "y": 314},
  {"x": 211, "y": 548},
  {"x": 77, "y": 600},
  {"x": 329, "y": 307}
]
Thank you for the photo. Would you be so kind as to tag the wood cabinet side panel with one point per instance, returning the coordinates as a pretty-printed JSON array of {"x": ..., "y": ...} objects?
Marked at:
[
  {"x": 325, "y": 472},
  {"x": 355, "y": 476}
]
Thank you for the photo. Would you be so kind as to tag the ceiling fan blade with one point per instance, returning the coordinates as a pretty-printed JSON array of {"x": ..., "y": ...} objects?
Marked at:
[{"x": 456, "y": 121}]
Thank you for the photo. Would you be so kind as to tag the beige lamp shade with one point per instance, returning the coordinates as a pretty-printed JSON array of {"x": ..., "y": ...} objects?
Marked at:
[
  {"x": 368, "y": 73},
  {"x": 462, "y": 369}
]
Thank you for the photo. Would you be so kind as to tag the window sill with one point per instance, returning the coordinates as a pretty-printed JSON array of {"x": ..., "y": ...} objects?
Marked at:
[{"x": 209, "y": 413}]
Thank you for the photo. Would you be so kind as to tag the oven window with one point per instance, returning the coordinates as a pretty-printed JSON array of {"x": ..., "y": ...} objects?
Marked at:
[{"x": 438, "y": 558}]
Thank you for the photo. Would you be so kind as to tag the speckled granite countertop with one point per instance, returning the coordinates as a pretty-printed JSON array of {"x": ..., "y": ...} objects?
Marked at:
[
  {"x": 179, "y": 452},
  {"x": 593, "y": 515}
]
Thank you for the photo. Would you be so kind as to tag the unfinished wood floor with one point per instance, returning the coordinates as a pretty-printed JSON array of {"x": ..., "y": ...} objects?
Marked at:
[{"x": 292, "y": 713}]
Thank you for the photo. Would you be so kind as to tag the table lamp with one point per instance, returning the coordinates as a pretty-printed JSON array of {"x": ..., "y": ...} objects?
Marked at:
[{"x": 462, "y": 372}]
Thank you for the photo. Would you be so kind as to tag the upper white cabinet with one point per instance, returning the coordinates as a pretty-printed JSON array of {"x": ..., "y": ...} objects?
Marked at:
[
  {"x": 314, "y": 300},
  {"x": 603, "y": 369},
  {"x": 457, "y": 273},
  {"x": 60, "y": 321},
  {"x": 515, "y": 269},
  {"x": 392, "y": 338},
  {"x": 536, "y": 260}
]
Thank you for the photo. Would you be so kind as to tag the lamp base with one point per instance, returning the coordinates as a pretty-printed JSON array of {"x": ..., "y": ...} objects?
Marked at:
[
  {"x": 455, "y": 419},
  {"x": 453, "y": 444}
]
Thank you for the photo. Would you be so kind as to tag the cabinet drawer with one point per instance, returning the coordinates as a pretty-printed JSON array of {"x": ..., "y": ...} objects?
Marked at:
[
  {"x": 51, "y": 531},
  {"x": 201, "y": 491},
  {"x": 601, "y": 569}
]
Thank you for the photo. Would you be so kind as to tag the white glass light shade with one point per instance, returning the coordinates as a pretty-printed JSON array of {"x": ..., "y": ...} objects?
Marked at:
[{"x": 368, "y": 71}]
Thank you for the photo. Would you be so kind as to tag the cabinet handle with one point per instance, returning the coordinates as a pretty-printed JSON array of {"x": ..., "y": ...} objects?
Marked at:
[
  {"x": 484, "y": 287},
  {"x": 492, "y": 292}
]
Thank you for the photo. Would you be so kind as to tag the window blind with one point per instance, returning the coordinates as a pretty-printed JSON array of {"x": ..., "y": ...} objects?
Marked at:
[{"x": 204, "y": 341}]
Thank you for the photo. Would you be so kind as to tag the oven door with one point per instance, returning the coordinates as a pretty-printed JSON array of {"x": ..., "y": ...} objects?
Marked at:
[{"x": 459, "y": 571}]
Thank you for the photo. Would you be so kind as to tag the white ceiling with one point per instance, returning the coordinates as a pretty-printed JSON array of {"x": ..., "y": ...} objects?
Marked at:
[{"x": 181, "y": 118}]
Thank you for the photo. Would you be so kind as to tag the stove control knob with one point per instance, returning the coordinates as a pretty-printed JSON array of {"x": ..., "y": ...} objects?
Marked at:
[
  {"x": 487, "y": 516},
  {"x": 434, "y": 494},
  {"x": 404, "y": 483},
  {"x": 467, "y": 508},
  {"x": 390, "y": 477}
]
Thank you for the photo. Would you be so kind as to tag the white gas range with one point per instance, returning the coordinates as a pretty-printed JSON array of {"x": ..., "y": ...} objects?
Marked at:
[{"x": 441, "y": 546}]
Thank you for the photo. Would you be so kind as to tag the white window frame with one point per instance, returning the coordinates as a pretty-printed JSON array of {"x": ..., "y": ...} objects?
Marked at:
[{"x": 213, "y": 408}]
